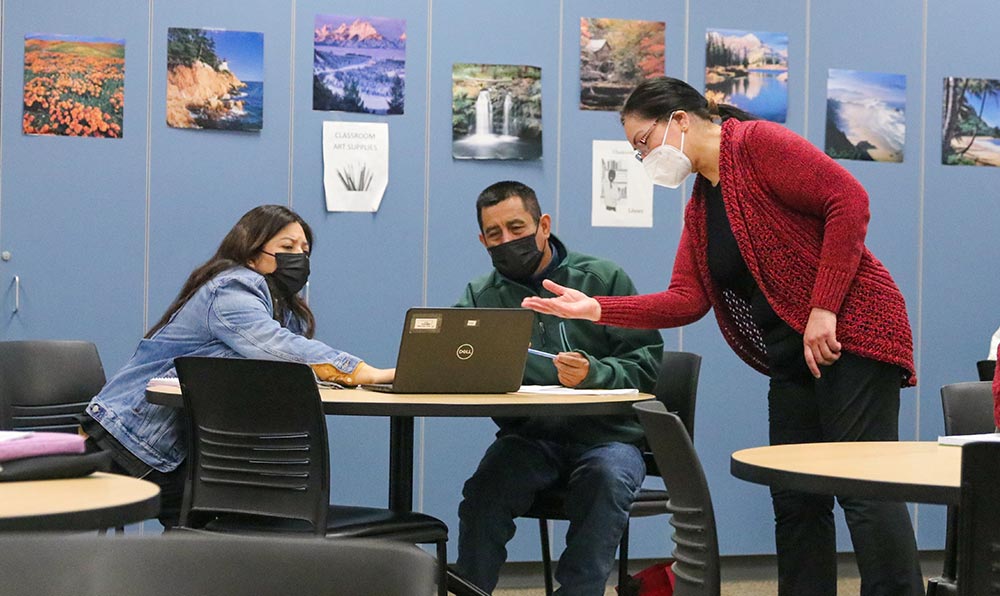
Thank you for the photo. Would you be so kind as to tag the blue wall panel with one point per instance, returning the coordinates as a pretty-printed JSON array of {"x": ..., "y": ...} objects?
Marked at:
[{"x": 74, "y": 209}]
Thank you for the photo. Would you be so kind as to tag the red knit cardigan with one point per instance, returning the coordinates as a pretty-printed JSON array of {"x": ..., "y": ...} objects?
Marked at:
[{"x": 800, "y": 220}]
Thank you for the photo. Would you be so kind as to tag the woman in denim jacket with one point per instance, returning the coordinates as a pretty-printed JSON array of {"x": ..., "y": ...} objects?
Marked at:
[{"x": 242, "y": 303}]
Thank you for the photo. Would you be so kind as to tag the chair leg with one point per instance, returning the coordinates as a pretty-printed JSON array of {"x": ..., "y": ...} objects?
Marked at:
[
  {"x": 543, "y": 532},
  {"x": 442, "y": 561},
  {"x": 623, "y": 576},
  {"x": 950, "y": 569}
]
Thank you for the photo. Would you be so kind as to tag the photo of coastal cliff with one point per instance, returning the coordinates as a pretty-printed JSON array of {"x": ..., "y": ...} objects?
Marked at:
[
  {"x": 865, "y": 115},
  {"x": 748, "y": 69},
  {"x": 359, "y": 64},
  {"x": 73, "y": 86},
  {"x": 970, "y": 130},
  {"x": 215, "y": 79},
  {"x": 496, "y": 111},
  {"x": 615, "y": 56}
]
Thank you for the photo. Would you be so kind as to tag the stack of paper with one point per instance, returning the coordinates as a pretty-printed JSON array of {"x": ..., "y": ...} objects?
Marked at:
[
  {"x": 963, "y": 439},
  {"x": 560, "y": 390}
]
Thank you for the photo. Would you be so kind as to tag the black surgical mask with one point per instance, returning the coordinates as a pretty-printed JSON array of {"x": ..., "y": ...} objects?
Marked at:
[
  {"x": 518, "y": 259},
  {"x": 292, "y": 271}
]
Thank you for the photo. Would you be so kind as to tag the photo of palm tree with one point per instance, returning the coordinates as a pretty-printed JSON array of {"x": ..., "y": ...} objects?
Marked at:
[
  {"x": 865, "y": 115},
  {"x": 970, "y": 129}
]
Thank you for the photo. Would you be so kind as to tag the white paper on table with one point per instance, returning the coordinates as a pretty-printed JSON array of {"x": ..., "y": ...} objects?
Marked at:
[
  {"x": 622, "y": 192},
  {"x": 355, "y": 165},
  {"x": 560, "y": 390},
  {"x": 13, "y": 435},
  {"x": 963, "y": 439}
]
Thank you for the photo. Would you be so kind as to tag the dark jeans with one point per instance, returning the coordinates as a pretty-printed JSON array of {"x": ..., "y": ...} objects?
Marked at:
[
  {"x": 601, "y": 484},
  {"x": 856, "y": 399},
  {"x": 123, "y": 462}
]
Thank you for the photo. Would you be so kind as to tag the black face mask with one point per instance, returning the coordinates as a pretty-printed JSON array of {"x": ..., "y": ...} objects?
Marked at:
[
  {"x": 518, "y": 259},
  {"x": 292, "y": 271}
]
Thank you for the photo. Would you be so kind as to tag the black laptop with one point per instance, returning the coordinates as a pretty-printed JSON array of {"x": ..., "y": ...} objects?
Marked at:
[{"x": 461, "y": 350}]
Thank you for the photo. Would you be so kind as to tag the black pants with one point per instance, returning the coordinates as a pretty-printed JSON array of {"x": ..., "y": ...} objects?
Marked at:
[{"x": 856, "y": 399}]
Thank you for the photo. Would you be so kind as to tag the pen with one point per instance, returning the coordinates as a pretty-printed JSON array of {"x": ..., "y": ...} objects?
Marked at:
[{"x": 541, "y": 353}]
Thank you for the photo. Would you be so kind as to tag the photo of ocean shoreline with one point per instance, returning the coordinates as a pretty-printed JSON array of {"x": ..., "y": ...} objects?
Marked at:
[
  {"x": 865, "y": 115},
  {"x": 215, "y": 79}
]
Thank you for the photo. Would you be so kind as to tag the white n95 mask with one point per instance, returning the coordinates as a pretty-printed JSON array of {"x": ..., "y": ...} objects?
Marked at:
[{"x": 667, "y": 165}]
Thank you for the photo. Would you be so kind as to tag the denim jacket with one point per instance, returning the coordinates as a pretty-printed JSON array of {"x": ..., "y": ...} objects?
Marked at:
[{"x": 230, "y": 317}]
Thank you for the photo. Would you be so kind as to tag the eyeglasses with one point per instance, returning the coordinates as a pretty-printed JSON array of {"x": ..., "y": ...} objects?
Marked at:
[{"x": 639, "y": 153}]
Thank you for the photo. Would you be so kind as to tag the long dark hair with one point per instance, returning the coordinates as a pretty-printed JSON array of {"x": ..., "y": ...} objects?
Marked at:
[
  {"x": 241, "y": 244},
  {"x": 657, "y": 98}
]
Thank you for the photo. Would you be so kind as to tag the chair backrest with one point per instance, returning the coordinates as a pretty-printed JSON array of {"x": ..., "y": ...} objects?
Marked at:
[
  {"x": 696, "y": 542},
  {"x": 968, "y": 408},
  {"x": 257, "y": 443},
  {"x": 677, "y": 385},
  {"x": 187, "y": 563},
  {"x": 986, "y": 369},
  {"x": 979, "y": 522},
  {"x": 44, "y": 384}
]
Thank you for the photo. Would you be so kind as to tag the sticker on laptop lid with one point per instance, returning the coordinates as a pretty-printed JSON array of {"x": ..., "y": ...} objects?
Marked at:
[{"x": 425, "y": 324}]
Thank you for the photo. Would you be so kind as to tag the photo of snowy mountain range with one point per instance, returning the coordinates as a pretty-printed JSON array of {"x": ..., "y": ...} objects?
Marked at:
[{"x": 359, "y": 64}]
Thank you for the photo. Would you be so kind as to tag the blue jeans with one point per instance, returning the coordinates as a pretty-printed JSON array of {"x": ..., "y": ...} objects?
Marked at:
[{"x": 602, "y": 481}]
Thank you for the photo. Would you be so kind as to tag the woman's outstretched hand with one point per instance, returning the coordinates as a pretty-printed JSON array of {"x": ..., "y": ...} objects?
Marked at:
[
  {"x": 568, "y": 303},
  {"x": 820, "y": 340}
]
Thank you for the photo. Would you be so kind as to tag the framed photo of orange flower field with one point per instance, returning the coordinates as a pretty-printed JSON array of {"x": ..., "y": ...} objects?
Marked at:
[{"x": 73, "y": 86}]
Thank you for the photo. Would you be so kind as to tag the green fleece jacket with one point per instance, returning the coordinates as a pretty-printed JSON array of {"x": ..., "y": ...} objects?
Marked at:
[{"x": 619, "y": 357}]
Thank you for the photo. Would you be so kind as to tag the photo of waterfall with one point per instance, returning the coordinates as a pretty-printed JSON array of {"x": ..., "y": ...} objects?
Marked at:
[
  {"x": 615, "y": 56},
  {"x": 496, "y": 111}
]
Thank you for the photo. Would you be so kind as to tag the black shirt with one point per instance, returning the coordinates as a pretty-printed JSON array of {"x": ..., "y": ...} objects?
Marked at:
[{"x": 729, "y": 271}]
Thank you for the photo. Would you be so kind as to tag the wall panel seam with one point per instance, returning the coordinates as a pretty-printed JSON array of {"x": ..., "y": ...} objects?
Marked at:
[
  {"x": 149, "y": 169},
  {"x": 291, "y": 112}
]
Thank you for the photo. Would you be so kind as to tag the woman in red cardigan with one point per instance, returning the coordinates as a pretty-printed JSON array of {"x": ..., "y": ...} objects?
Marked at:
[{"x": 773, "y": 242}]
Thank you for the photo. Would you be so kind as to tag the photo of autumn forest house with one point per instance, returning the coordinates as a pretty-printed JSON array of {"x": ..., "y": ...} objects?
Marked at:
[
  {"x": 73, "y": 86},
  {"x": 615, "y": 56}
]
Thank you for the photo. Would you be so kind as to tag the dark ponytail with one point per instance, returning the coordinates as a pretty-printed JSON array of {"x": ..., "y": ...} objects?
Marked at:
[{"x": 657, "y": 98}]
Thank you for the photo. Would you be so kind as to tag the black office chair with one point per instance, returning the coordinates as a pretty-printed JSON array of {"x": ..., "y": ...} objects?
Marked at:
[
  {"x": 696, "y": 542},
  {"x": 211, "y": 564},
  {"x": 968, "y": 410},
  {"x": 45, "y": 384},
  {"x": 677, "y": 388},
  {"x": 258, "y": 459},
  {"x": 986, "y": 369},
  {"x": 979, "y": 531}
]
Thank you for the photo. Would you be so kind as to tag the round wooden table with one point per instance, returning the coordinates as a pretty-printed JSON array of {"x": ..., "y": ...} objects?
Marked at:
[
  {"x": 909, "y": 471},
  {"x": 92, "y": 502}
]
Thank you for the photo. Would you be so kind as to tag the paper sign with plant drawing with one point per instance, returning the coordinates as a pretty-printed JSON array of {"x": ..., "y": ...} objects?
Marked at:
[{"x": 355, "y": 165}]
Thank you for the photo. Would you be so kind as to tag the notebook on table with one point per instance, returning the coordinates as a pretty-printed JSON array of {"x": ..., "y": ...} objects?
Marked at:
[{"x": 461, "y": 350}]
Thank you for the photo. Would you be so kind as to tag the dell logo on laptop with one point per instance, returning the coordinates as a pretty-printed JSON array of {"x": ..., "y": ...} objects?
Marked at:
[{"x": 464, "y": 351}]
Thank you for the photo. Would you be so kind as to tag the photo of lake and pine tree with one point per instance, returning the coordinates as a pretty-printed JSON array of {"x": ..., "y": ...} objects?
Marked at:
[
  {"x": 215, "y": 79},
  {"x": 970, "y": 131},
  {"x": 359, "y": 64},
  {"x": 749, "y": 70},
  {"x": 865, "y": 115}
]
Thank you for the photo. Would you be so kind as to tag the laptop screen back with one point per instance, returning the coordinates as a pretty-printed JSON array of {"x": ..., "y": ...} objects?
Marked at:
[{"x": 463, "y": 350}]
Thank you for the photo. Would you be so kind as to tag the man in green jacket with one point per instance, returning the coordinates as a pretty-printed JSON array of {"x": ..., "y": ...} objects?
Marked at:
[{"x": 597, "y": 457}]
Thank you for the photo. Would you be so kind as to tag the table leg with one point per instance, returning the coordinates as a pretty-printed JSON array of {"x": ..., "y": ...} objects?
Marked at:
[{"x": 401, "y": 463}]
